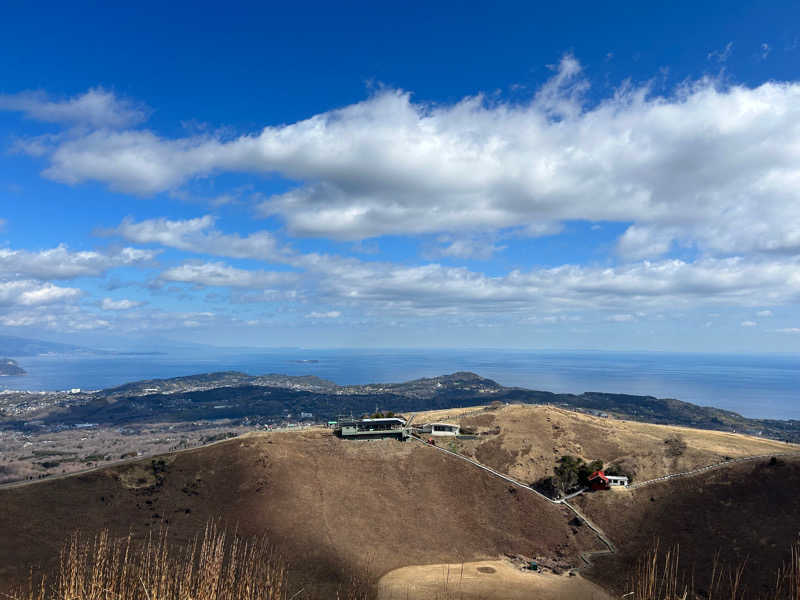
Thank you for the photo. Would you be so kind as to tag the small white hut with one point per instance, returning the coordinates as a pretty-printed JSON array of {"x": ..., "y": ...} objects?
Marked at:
[{"x": 440, "y": 429}]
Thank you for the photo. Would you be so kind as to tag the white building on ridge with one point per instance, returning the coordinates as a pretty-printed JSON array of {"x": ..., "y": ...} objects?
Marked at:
[{"x": 440, "y": 429}]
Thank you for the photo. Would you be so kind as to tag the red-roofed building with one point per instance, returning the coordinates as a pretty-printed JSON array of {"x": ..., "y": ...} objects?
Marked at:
[{"x": 600, "y": 481}]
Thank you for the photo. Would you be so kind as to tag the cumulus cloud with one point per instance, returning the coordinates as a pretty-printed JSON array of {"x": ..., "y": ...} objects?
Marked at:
[
  {"x": 748, "y": 323},
  {"x": 61, "y": 263},
  {"x": 764, "y": 313},
  {"x": 26, "y": 292},
  {"x": 96, "y": 108},
  {"x": 707, "y": 164},
  {"x": 124, "y": 304},
  {"x": 479, "y": 248},
  {"x": 220, "y": 274},
  {"x": 200, "y": 236},
  {"x": 643, "y": 241},
  {"x": 56, "y": 317},
  {"x": 667, "y": 284},
  {"x": 628, "y": 288}
]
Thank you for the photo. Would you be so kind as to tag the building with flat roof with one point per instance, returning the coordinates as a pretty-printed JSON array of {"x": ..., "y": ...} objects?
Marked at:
[
  {"x": 364, "y": 429},
  {"x": 440, "y": 429},
  {"x": 600, "y": 481}
]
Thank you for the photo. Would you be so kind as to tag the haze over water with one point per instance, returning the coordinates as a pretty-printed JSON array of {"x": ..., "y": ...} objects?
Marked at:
[{"x": 759, "y": 386}]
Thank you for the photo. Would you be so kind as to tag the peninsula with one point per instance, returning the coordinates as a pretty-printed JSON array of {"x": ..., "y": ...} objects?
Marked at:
[{"x": 10, "y": 367}]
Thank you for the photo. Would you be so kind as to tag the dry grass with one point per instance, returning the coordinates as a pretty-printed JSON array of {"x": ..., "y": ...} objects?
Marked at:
[
  {"x": 216, "y": 566},
  {"x": 496, "y": 579},
  {"x": 332, "y": 506},
  {"x": 531, "y": 438},
  {"x": 659, "y": 576}
]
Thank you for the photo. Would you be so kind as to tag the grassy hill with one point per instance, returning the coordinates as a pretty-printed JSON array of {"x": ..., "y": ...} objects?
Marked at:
[
  {"x": 407, "y": 516},
  {"x": 332, "y": 507},
  {"x": 744, "y": 516},
  {"x": 525, "y": 441}
]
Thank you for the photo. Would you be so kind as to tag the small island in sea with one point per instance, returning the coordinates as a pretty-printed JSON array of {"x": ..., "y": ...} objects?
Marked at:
[{"x": 10, "y": 367}]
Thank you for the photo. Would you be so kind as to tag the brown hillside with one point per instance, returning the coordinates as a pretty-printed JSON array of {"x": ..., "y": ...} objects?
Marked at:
[
  {"x": 748, "y": 513},
  {"x": 332, "y": 506},
  {"x": 526, "y": 440}
]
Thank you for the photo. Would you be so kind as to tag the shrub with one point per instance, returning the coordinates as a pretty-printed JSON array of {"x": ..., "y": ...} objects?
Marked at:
[
  {"x": 572, "y": 473},
  {"x": 676, "y": 445}
]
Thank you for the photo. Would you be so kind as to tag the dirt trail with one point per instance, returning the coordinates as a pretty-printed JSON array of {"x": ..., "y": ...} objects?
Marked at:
[{"x": 587, "y": 556}]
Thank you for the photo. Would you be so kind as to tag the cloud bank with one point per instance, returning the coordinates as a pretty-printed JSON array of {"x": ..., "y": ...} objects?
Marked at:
[{"x": 711, "y": 165}]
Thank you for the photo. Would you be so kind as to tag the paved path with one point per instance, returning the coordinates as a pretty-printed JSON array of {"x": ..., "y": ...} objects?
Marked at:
[
  {"x": 601, "y": 535},
  {"x": 511, "y": 480},
  {"x": 711, "y": 467}
]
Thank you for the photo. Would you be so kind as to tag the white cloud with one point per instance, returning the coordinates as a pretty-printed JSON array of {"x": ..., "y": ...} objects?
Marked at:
[
  {"x": 721, "y": 55},
  {"x": 124, "y": 304},
  {"x": 671, "y": 284},
  {"x": 433, "y": 289},
  {"x": 621, "y": 318},
  {"x": 34, "y": 293},
  {"x": 748, "y": 323},
  {"x": 60, "y": 263},
  {"x": 712, "y": 165},
  {"x": 332, "y": 314},
  {"x": 199, "y": 236},
  {"x": 643, "y": 241},
  {"x": 789, "y": 330},
  {"x": 765, "y": 50},
  {"x": 220, "y": 274},
  {"x": 55, "y": 317},
  {"x": 479, "y": 248},
  {"x": 96, "y": 108},
  {"x": 764, "y": 313}
]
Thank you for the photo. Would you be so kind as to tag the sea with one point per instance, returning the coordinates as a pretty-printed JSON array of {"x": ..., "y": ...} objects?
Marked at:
[{"x": 757, "y": 386}]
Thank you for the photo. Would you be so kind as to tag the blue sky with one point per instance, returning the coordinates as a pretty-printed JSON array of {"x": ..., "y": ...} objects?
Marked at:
[{"x": 420, "y": 175}]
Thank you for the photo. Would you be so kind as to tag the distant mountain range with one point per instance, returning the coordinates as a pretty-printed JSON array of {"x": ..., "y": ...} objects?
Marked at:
[{"x": 18, "y": 347}]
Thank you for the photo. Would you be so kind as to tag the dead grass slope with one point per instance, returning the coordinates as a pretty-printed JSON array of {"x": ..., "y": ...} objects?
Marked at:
[
  {"x": 525, "y": 441},
  {"x": 485, "y": 580},
  {"x": 331, "y": 506},
  {"x": 748, "y": 513}
]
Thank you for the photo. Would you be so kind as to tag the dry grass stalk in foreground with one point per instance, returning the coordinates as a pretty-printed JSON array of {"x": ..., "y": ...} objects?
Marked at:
[
  {"x": 217, "y": 567},
  {"x": 658, "y": 577}
]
